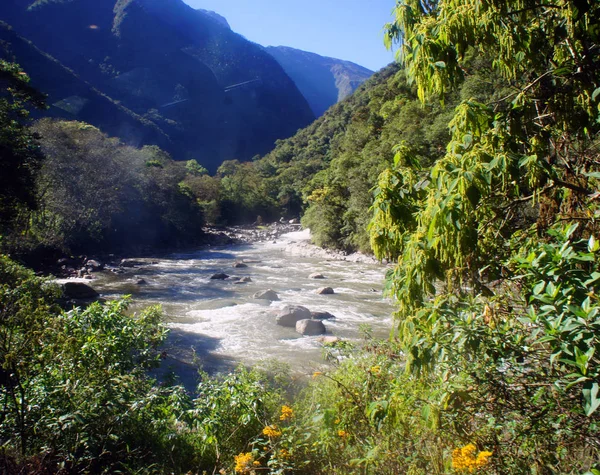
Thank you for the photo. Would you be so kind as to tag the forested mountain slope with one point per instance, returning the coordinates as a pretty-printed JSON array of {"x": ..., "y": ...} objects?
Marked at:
[
  {"x": 328, "y": 169},
  {"x": 322, "y": 80},
  {"x": 208, "y": 93}
]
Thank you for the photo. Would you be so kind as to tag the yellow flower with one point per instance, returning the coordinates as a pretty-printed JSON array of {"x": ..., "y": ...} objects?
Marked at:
[
  {"x": 286, "y": 413},
  {"x": 243, "y": 462},
  {"x": 256, "y": 463},
  {"x": 375, "y": 369},
  {"x": 272, "y": 431},
  {"x": 283, "y": 453},
  {"x": 482, "y": 457},
  {"x": 464, "y": 458},
  {"x": 342, "y": 433},
  {"x": 316, "y": 374}
]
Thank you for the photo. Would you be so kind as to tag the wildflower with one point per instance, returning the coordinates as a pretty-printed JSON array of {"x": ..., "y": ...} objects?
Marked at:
[
  {"x": 342, "y": 433},
  {"x": 375, "y": 369},
  {"x": 286, "y": 413},
  {"x": 284, "y": 454},
  {"x": 272, "y": 431},
  {"x": 464, "y": 458},
  {"x": 316, "y": 374},
  {"x": 256, "y": 463},
  {"x": 243, "y": 462}
]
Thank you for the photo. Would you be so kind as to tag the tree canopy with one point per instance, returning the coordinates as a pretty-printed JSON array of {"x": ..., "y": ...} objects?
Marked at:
[{"x": 19, "y": 154}]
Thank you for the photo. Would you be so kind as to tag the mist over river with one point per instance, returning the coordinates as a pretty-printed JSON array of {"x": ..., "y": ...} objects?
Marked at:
[{"x": 218, "y": 324}]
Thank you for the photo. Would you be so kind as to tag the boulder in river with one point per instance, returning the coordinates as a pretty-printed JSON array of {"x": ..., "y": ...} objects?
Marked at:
[
  {"x": 79, "y": 290},
  {"x": 239, "y": 265},
  {"x": 219, "y": 276},
  {"x": 325, "y": 291},
  {"x": 310, "y": 327},
  {"x": 316, "y": 275},
  {"x": 266, "y": 295},
  {"x": 289, "y": 315},
  {"x": 93, "y": 265},
  {"x": 322, "y": 316}
]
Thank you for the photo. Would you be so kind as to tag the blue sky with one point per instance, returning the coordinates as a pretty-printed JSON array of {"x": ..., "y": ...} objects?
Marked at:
[{"x": 344, "y": 29}]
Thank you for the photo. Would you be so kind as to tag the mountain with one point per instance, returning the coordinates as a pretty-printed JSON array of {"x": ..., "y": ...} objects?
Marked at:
[
  {"x": 215, "y": 16},
  {"x": 323, "y": 81},
  {"x": 155, "y": 71}
]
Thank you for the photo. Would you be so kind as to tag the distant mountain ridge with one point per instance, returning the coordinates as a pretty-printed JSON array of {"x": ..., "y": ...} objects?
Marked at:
[
  {"x": 215, "y": 16},
  {"x": 322, "y": 80},
  {"x": 163, "y": 72}
]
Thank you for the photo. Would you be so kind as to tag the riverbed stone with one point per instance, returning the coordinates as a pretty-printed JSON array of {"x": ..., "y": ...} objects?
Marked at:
[
  {"x": 322, "y": 316},
  {"x": 325, "y": 291},
  {"x": 266, "y": 295},
  {"x": 93, "y": 265},
  {"x": 239, "y": 265},
  {"x": 79, "y": 290},
  {"x": 219, "y": 276},
  {"x": 289, "y": 315},
  {"x": 316, "y": 275},
  {"x": 310, "y": 327},
  {"x": 329, "y": 340}
]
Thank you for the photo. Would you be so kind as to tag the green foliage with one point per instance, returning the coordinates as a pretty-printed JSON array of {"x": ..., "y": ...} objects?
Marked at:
[
  {"x": 244, "y": 194},
  {"x": 75, "y": 391},
  {"x": 20, "y": 155},
  {"x": 229, "y": 411},
  {"x": 95, "y": 193},
  {"x": 195, "y": 169},
  {"x": 496, "y": 287}
]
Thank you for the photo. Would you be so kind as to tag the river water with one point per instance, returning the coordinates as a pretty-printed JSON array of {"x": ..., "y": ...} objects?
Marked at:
[{"x": 217, "y": 324}]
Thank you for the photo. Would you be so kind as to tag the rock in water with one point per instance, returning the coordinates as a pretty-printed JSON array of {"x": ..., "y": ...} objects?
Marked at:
[
  {"x": 239, "y": 265},
  {"x": 289, "y": 315},
  {"x": 310, "y": 327},
  {"x": 329, "y": 340},
  {"x": 316, "y": 275},
  {"x": 219, "y": 276},
  {"x": 94, "y": 265},
  {"x": 325, "y": 291},
  {"x": 322, "y": 316},
  {"x": 266, "y": 295},
  {"x": 79, "y": 290}
]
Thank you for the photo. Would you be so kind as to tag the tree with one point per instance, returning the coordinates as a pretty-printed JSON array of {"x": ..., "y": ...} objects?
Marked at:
[
  {"x": 496, "y": 276},
  {"x": 529, "y": 154},
  {"x": 20, "y": 157}
]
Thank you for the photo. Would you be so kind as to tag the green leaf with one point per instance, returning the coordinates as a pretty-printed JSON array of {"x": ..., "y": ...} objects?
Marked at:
[
  {"x": 539, "y": 288},
  {"x": 590, "y": 396}
]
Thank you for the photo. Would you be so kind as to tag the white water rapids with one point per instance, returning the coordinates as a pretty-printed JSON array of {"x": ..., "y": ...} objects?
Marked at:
[{"x": 219, "y": 323}]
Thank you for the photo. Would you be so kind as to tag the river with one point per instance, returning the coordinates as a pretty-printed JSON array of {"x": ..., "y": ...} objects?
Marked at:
[{"x": 217, "y": 324}]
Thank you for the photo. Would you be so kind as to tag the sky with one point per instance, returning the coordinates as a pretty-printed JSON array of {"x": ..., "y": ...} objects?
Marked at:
[{"x": 345, "y": 29}]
